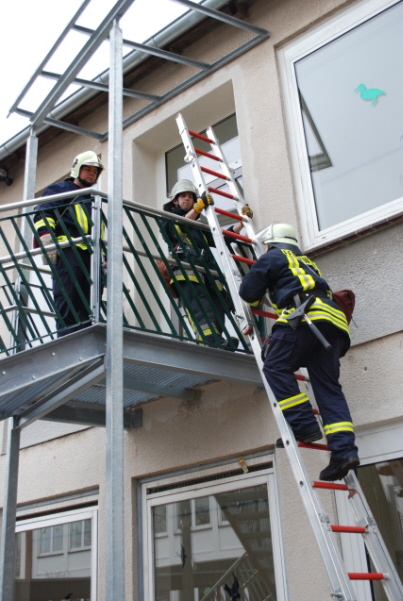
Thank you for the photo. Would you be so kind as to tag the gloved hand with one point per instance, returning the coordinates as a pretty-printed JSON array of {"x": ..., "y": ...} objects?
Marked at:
[
  {"x": 203, "y": 202},
  {"x": 52, "y": 254},
  {"x": 246, "y": 210}
]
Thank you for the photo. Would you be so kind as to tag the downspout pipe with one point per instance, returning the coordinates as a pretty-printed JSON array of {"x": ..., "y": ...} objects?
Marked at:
[{"x": 168, "y": 34}]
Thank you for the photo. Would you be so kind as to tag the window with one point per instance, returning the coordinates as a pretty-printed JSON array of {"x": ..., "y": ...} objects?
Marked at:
[
  {"x": 343, "y": 88},
  {"x": 56, "y": 555},
  {"x": 382, "y": 484},
  {"x": 219, "y": 531}
]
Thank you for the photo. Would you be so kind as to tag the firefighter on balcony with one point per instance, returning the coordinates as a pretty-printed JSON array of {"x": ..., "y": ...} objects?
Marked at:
[
  {"x": 75, "y": 214},
  {"x": 293, "y": 280},
  {"x": 199, "y": 305}
]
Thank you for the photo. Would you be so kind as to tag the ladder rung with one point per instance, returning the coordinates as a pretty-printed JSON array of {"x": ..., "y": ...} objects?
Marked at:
[
  {"x": 207, "y": 154},
  {"x": 211, "y": 172},
  {"x": 331, "y": 485},
  {"x": 366, "y": 576},
  {"x": 351, "y": 529},
  {"x": 243, "y": 259},
  {"x": 221, "y": 193},
  {"x": 237, "y": 236},
  {"x": 313, "y": 445},
  {"x": 201, "y": 137},
  {"x": 264, "y": 314},
  {"x": 228, "y": 214}
]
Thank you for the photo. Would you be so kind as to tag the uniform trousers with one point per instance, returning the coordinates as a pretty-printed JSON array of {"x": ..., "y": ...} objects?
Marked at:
[
  {"x": 203, "y": 308},
  {"x": 65, "y": 289},
  {"x": 291, "y": 349}
]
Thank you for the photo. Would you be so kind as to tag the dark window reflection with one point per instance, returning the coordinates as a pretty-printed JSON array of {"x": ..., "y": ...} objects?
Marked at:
[
  {"x": 215, "y": 542},
  {"x": 382, "y": 485},
  {"x": 54, "y": 562}
]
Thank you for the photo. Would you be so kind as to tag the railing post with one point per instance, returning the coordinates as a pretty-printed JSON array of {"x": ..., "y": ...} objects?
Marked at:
[
  {"x": 96, "y": 260},
  {"x": 114, "y": 568},
  {"x": 31, "y": 160},
  {"x": 7, "y": 544}
]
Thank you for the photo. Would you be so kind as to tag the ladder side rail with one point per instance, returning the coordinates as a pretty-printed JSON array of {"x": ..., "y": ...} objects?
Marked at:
[
  {"x": 230, "y": 270},
  {"x": 239, "y": 203},
  {"x": 233, "y": 186},
  {"x": 373, "y": 540},
  {"x": 339, "y": 580},
  {"x": 338, "y": 577}
]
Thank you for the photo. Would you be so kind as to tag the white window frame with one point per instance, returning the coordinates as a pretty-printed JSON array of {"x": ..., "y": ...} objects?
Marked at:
[
  {"x": 150, "y": 500},
  {"x": 287, "y": 56},
  {"x": 65, "y": 517}
]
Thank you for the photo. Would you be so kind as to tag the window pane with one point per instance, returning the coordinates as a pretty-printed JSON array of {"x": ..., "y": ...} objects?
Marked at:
[
  {"x": 160, "y": 520},
  {"x": 382, "y": 485},
  {"x": 44, "y": 540},
  {"x": 202, "y": 511},
  {"x": 235, "y": 551},
  {"x": 45, "y": 567},
  {"x": 75, "y": 535},
  {"x": 350, "y": 93},
  {"x": 87, "y": 533},
  {"x": 57, "y": 538}
]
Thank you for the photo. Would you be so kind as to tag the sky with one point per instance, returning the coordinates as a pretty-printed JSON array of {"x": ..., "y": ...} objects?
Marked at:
[{"x": 30, "y": 29}]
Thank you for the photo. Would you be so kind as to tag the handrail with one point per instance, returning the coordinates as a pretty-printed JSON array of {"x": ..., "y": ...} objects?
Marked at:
[{"x": 27, "y": 306}]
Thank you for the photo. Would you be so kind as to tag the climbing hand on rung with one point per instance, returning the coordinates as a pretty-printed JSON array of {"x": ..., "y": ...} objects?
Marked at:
[
  {"x": 204, "y": 201},
  {"x": 246, "y": 210}
]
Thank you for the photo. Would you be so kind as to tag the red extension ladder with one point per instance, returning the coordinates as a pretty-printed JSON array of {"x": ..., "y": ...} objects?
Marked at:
[{"x": 340, "y": 580}]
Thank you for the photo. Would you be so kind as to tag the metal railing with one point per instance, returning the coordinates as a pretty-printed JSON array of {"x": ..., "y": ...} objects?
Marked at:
[{"x": 151, "y": 262}]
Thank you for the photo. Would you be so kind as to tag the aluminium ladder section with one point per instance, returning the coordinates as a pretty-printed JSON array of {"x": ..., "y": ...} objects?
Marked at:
[{"x": 340, "y": 583}]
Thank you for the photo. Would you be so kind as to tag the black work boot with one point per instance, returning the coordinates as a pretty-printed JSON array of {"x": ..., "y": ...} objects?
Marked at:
[
  {"x": 307, "y": 437},
  {"x": 338, "y": 468},
  {"x": 229, "y": 345}
]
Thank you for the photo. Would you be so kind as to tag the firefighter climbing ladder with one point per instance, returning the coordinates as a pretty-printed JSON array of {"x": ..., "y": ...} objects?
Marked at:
[{"x": 340, "y": 580}]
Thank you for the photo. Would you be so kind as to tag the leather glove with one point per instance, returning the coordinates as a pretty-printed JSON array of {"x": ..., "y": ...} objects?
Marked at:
[
  {"x": 246, "y": 210},
  {"x": 204, "y": 201},
  {"x": 52, "y": 254}
]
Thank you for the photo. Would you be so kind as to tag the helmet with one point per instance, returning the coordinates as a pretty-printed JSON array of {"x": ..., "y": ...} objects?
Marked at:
[
  {"x": 181, "y": 186},
  {"x": 85, "y": 158},
  {"x": 278, "y": 234}
]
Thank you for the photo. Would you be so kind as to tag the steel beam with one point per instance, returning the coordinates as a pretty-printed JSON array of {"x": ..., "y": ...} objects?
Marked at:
[
  {"x": 7, "y": 544},
  {"x": 79, "y": 62},
  {"x": 114, "y": 518},
  {"x": 152, "y": 350},
  {"x": 75, "y": 129},
  {"x": 102, "y": 87},
  {"x": 216, "y": 14},
  {"x": 155, "y": 51},
  {"x": 67, "y": 391},
  {"x": 74, "y": 412}
]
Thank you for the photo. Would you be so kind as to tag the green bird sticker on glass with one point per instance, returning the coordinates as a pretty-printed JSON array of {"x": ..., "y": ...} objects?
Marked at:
[{"x": 369, "y": 93}]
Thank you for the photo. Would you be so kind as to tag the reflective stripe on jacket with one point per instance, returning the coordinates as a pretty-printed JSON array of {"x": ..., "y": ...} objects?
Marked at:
[{"x": 284, "y": 275}]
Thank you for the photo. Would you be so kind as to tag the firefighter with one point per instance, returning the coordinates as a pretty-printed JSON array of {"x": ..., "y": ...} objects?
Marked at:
[
  {"x": 85, "y": 172},
  {"x": 293, "y": 279},
  {"x": 199, "y": 305}
]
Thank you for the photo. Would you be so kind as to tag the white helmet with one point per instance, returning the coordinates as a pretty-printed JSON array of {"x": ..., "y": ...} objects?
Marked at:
[
  {"x": 181, "y": 186},
  {"x": 278, "y": 234},
  {"x": 86, "y": 158}
]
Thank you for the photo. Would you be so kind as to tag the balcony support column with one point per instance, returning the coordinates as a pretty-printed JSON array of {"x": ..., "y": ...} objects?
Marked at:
[{"x": 114, "y": 517}]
